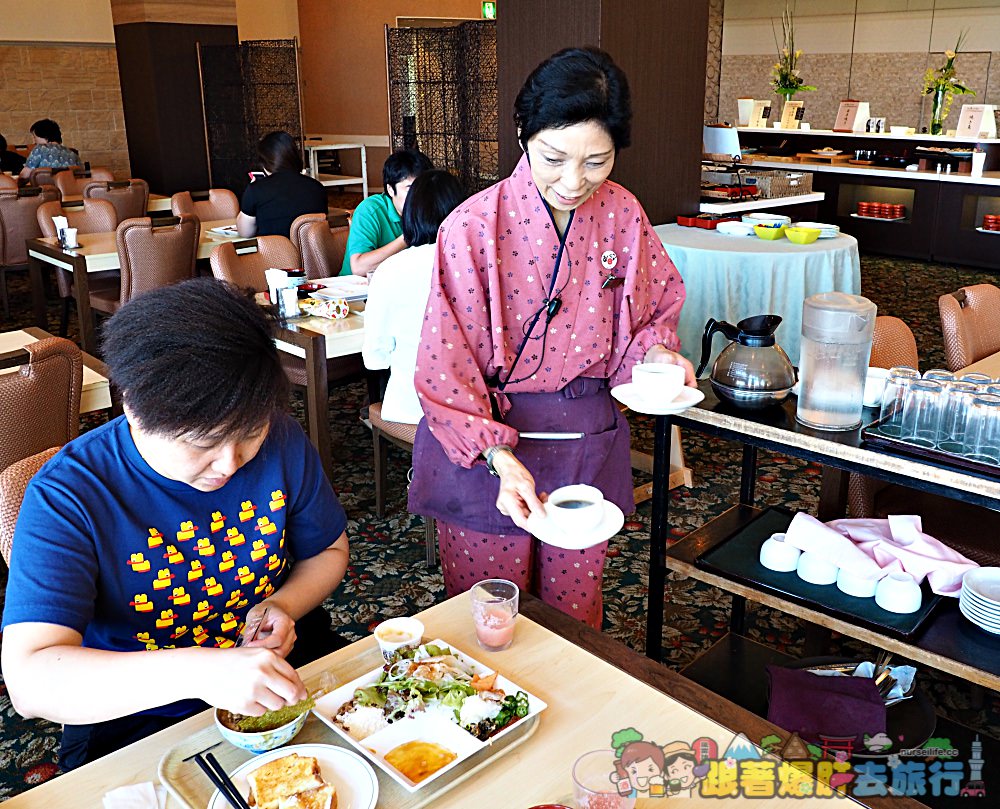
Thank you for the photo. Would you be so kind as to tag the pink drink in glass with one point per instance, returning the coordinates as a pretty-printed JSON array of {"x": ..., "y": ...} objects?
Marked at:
[{"x": 494, "y": 611}]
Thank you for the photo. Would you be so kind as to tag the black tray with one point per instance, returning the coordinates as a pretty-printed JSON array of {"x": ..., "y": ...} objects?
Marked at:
[
  {"x": 738, "y": 558},
  {"x": 872, "y": 435}
]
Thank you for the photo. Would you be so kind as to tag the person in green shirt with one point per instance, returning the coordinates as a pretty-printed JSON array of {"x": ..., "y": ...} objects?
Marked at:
[{"x": 376, "y": 226}]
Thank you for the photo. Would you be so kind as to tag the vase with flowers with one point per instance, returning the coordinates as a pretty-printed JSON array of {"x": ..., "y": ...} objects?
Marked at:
[
  {"x": 785, "y": 78},
  {"x": 942, "y": 84}
]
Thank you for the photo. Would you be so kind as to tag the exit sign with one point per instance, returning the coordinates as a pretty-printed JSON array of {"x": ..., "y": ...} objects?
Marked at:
[{"x": 489, "y": 11}]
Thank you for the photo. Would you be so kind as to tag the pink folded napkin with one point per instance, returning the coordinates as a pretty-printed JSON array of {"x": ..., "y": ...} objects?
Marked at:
[{"x": 874, "y": 548}]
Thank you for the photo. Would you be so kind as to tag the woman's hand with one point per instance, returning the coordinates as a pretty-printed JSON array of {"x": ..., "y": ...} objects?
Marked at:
[
  {"x": 277, "y": 630},
  {"x": 517, "y": 498},
  {"x": 660, "y": 353},
  {"x": 248, "y": 681}
]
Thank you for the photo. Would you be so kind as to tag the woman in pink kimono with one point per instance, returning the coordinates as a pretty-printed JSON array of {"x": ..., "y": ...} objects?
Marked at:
[{"x": 548, "y": 287}]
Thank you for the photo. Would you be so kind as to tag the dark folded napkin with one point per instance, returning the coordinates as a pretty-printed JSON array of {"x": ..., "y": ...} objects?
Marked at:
[{"x": 814, "y": 706}]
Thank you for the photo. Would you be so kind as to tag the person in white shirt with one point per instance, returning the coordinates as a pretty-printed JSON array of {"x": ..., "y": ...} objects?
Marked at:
[{"x": 397, "y": 293}]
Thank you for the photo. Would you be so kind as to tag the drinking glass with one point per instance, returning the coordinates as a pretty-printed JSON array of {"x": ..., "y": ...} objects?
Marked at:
[
  {"x": 593, "y": 787},
  {"x": 939, "y": 375},
  {"x": 922, "y": 404},
  {"x": 494, "y": 612},
  {"x": 982, "y": 434},
  {"x": 977, "y": 379},
  {"x": 955, "y": 415},
  {"x": 994, "y": 388},
  {"x": 896, "y": 384}
]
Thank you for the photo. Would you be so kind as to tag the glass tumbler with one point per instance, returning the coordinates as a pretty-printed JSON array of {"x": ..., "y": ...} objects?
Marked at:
[
  {"x": 922, "y": 406},
  {"x": 896, "y": 384},
  {"x": 977, "y": 379},
  {"x": 593, "y": 786},
  {"x": 939, "y": 375},
  {"x": 982, "y": 434},
  {"x": 955, "y": 415}
]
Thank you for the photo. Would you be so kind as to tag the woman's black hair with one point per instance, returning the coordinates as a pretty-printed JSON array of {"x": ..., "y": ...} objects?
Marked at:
[
  {"x": 433, "y": 195},
  {"x": 47, "y": 129},
  {"x": 196, "y": 358},
  {"x": 402, "y": 164},
  {"x": 571, "y": 87},
  {"x": 277, "y": 152},
  {"x": 3, "y": 144}
]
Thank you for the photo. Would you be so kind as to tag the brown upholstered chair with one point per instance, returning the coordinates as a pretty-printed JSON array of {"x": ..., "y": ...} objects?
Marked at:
[
  {"x": 72, "y": 183},
  {"x": 402, "y": 435},
  {"x": 219, "y": 204},
  {"x": 8, "y": 185},
  {"x": 40, "y": 402},
  {"x": 321, "y": 246},
  {"x": 13, "y": 483},
  {"x": 18, "y": 222},
  {"x": 970, "y": 324},
  {"x": 95, "y": 216},
  {"x": 130, "y": 197},
  {"x": 151, "y": 256},
  {"x": 45, "y": 175}
]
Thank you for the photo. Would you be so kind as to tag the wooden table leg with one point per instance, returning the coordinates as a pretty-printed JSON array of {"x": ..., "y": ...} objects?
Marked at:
[
  {"x": 658, "y": 538},
  {"x": 832, "y": 494},
  {"x": 81, "y": 291},
  {"x": 748, "y": 476},
  {"x": 317, "y": 394},
  {"x": 36, "y": 269}
]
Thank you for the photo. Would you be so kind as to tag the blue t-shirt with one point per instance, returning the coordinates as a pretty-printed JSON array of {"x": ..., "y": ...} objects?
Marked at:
[
  {"x": 132, "y": 560},
  {"x": 53, "y": 155}
]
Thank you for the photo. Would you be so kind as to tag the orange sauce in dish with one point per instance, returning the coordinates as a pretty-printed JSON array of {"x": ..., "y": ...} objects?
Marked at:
[{"x": 418, "y": 760}]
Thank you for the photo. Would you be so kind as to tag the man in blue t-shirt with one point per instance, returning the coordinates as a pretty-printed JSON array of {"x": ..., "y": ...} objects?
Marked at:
[
  {"x": 376, "y": 224},
  {"x": 144, "y": 546}
]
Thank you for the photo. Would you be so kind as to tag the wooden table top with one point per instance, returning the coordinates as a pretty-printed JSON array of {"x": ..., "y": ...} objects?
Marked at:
[
  {"x": 343, "y": 337},
  {"x": 589, "y": 699},
  {"x": 987, "y": 365}
]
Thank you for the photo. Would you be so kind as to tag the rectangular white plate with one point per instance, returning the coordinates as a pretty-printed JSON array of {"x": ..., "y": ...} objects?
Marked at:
[{"x": 429, "y": 728}]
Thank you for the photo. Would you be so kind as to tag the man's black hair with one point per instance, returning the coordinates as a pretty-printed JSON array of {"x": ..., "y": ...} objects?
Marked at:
[
  {"x": 47, "y": 129},
  {"x": 196, "y": 358},
  {"x": 571, "y": 87},
  {"x": 433, "y": 195},
  {"x": 401, "y": 164}
]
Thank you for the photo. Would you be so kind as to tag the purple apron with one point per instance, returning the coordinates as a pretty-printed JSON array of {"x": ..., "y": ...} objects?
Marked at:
[{"x": 602, "y": 458}]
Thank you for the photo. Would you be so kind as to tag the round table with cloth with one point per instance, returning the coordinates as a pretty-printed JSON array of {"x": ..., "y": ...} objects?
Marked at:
[{"x": 733, "y": 277}]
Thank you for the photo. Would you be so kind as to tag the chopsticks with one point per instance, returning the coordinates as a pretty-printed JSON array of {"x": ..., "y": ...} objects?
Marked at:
[{"x": 217, "y": 775}]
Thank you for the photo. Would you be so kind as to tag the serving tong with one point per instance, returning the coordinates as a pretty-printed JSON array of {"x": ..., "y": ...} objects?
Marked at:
[{"x": 884, "y": 681}]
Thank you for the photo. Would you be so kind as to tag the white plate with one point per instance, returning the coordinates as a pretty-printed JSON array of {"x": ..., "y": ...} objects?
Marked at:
[
  {"x": 354, "y": 778},
  {"x": 826, "y": 231},
  {"x": 982, "y": 609},
  {"x": 551, "y": 534},
  {"x": 993, "y": 630},
  {"x": 984, "y": 582},
  {"x": 735, "y": 229},
  {"x": 977, "y": 616},
  {"x": 827, "y": 151},
  {"x": 423, "y": 728},
  {"x": 630, "y": 397}
]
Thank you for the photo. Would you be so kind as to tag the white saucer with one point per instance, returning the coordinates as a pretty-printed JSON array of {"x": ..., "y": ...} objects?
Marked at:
[
  {"x": 629, "y": 396},
  {"x": 546, "y": 531}
]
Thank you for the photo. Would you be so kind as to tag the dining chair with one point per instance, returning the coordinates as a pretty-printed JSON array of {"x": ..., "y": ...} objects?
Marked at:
[
  {"x": 95, "y": 216},
  {"x": 39, "y": 402},
  {"x": 8, "y": 184},
  {"x": 151, "y": 255},
  {"x": 14, "y": 482},
  {"x": 72, "y": 183},
  {"x": 216, "y": 203},
  {"x": 45, "y": 175},
  {"x": 130, "y": 197},
  {"x": 321, "y": 246},
  {"x": 18, "y": 222},
  {"x": 970, "y": 325}
]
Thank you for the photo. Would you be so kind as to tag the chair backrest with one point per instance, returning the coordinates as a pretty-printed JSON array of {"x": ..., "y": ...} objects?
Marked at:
[
  {"x": 893, "y": 344},
  {"x": 45, "y": 175},
  {"x": 40, "y": 403},
  {"x": 221, "y": 204},
  {"x": 8, "y": 185},
  {"x": 130, "y": 197},
  {"x": 970, "y": 324},
  {"x": 14, "y": 482},
  {"x": 72, "y": 183},
  {"x": 156, "y": 256},
  {"x": 247, "y": 269},
  {"x": 19, "y": 221},
  {"x": 321, "y": 247},
  {"x": 95, "y": 216}
]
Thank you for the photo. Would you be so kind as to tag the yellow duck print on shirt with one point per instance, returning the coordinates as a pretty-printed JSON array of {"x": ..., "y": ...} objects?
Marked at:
[
  {"x": 166, "y": 619},
  {"x": 180, "y": 597},
  {"x": 205, "y": 547},
  {"x": 224, "y": 643},
  {"x": 247, "y": 509},
  {"x": 212, "y": 587},
  {"x": 229, "y": 622},
  {"x": 163, "y": 579},
  {"x": 277, "y": 500},
  {"x": 228, "y": 561},
  {"x": 263, "y": 586},
  {"x": 203, "y": 612},
  {"x": 199, "y": 635},
  {"x": 141, "y": 603},
  {"x": 155, "y": 538},
  {"x": 259, "y": 550},
  {"x": 218, "y": 521},
  {"x": 173, "y": 556},
  {"x": 273, "y": 562},
  {"x": 196, "y": 571},
  {"x": 187, "y": 531},
  {"x": 234, "y": 598},
  {"x": 138, "y": 563},
  {"x": 245, "y": 576},
  {"x": 178, "y": 632},
  {"x": 265, "y": 526},
  {"x": 234, "y": 537}
]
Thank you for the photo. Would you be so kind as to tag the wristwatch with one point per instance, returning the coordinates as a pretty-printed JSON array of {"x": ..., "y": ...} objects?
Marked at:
[{"x": 490, "y": 453}]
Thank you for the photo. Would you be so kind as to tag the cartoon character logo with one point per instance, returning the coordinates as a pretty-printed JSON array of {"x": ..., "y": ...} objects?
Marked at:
[{"x": 644, "y": 769}]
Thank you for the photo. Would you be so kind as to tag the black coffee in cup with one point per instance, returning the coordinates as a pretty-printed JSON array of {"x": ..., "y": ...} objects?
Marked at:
[{"x": 574, "y": 503}]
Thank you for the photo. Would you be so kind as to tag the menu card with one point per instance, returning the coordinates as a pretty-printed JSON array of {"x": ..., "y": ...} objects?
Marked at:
[
  {"x": 759, "y": 114},
  {"x": 852, "y": 116},
  {"x": 791, "y": 114},
  {"x": 976, "y": 121}
]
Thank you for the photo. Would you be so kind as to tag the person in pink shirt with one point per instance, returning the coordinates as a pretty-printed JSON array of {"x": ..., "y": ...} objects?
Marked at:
[{"x": 547, "y": 288}]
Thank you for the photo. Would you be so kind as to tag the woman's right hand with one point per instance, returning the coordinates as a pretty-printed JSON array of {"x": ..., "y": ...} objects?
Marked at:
[
  {"x": 517, "y": 498},
  {"x": 249, "y": 681}
]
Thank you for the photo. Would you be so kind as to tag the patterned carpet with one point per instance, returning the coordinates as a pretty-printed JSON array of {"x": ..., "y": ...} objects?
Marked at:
[{"x": 388, "y": 575}]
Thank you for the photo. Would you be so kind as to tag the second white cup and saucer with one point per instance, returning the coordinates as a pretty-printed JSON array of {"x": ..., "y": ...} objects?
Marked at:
[
  {"x": 576, "y": 517},
  {"x": 657, "y": 389}
]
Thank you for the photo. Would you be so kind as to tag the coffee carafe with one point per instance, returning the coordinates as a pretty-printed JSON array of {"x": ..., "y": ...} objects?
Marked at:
[
  {"x": 837, "y": 331},
  {"x": 751, "y": 372}
]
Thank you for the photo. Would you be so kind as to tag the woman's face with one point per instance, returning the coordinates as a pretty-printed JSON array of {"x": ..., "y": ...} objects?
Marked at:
[
  {"x": 569, "y": 164},
  {"x": 641, "y": 771},
  {"x": 681, "y": 770}
]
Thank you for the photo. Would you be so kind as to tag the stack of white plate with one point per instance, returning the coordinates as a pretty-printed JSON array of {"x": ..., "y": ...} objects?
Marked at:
[
  {"x": 773, "y": 220},
  {"x": 825, "y": 231},
  {"x": 980, "y": 598}
]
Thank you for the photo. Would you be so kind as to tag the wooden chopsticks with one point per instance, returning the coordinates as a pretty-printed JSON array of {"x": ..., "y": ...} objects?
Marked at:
[{"x": 217, "y": 775}]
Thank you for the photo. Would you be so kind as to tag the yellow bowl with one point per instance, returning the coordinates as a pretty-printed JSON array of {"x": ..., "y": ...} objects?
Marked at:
[
  {"x": 802, "y": 235},
  {"x": 769, "y": 233}
]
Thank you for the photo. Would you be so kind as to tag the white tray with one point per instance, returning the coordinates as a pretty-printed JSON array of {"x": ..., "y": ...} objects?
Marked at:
[{"x": 879, "y": 218}]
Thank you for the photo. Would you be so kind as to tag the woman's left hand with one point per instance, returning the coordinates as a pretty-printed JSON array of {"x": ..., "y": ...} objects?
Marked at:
[
  {"x": 660, "y": 353},
  {"x": 277, "y": 630}
]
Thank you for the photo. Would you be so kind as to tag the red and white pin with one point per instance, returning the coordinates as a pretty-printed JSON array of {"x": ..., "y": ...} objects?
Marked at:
[{"x": 609, "y": 259}]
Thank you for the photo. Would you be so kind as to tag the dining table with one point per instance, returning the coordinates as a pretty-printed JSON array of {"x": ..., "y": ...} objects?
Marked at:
[
  {"x": 593, "y": 686},
  {"x": 97, "y": 253},
  {"x": 730, "y": 278},
  {"x": 989, "y": 365}
]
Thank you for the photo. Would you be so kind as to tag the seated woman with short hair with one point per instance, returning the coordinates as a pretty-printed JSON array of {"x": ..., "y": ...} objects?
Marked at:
[{"x": 397, "y": 293}]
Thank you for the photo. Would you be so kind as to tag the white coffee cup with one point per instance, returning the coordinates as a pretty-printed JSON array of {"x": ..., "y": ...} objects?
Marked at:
[
  {"x": 899, "y": 592},
  {"x": 397, "y": 633},
  {"x": 874, "y": 386},
  {"x": 576, "y": 508},
  {"x": 69, "y": 234},
  {"x": 854, "y": 585},
  {"x": 658, "y": 381},
  {"x": 816, "y": 569},
  {"x": 778, "y": 555}
]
